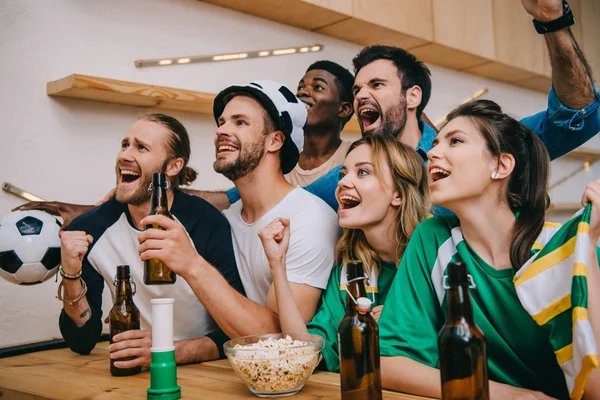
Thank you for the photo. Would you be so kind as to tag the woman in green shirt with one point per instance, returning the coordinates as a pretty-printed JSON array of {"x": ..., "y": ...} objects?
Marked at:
[
  {"x": 492, "y": 172},
  {"x": 382, "y": 195}
]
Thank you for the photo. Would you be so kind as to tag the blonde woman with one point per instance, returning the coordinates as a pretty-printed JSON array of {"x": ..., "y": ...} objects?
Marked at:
[{"x": 382, "y": 196}]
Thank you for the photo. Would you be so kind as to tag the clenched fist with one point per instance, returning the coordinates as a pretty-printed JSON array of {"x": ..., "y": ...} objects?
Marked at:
[
  {"x": 543, "y": 10},
  {"x": 73, "y": 247},
  {"x": 275, "y": 239}
]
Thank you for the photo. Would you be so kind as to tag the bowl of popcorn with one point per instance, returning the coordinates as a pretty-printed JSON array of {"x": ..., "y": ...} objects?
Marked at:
[{"x": 277, "y": 364}]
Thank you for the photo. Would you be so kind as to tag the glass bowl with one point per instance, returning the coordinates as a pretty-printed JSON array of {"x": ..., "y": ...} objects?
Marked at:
[{"x": 275, "y": 364}]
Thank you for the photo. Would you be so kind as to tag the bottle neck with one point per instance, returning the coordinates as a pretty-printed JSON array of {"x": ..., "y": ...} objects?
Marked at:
[
  {"x": 124, "y": 291},
  {"x": 354, "y": 287},
  {"x": 459, "y": 303},
  {"x": 159, "y": 199}
]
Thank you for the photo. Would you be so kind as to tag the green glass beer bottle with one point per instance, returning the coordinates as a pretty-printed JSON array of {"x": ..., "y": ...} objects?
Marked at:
[
  {"x": 461, "y": 344},
  {"x": 358, "y": 340},
  {"x": 155, "y": 271},
  {"x": 123, "y": 316}
]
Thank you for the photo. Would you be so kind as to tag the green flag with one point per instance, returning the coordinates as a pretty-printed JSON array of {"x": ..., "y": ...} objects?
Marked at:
[{"x": 552, "y": 287}]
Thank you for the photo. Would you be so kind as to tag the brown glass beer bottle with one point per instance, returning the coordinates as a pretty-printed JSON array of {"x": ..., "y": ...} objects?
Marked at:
[
  {"x": 461, "y": 344},
  {"x": 155, "y": 271},
  {"x": 123, "y": 316},
  {"x": 358, "y": 338}
]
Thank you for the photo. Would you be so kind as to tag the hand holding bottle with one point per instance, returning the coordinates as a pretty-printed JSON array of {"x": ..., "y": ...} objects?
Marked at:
[
  {"x": 171, "y": 245},
  {"x": 133, "y": 344}
]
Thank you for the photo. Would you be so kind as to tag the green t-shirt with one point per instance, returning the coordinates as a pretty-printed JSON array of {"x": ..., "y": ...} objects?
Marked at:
[
  {"x": 326, "y": 321},
  {"x": 518, "y": 351}
]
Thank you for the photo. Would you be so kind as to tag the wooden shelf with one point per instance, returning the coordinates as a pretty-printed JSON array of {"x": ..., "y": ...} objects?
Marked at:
[
  {"x": 142, "y": 95},
  {"x": 564, "y": 207},
  {"x": 135, "y": 94},
  {"x": 584, "y": 153},
  {"x": 474, "y": 36}
]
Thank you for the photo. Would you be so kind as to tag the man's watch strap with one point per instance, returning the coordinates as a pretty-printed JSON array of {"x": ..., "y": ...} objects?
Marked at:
[{"x": 557, "y": 24}]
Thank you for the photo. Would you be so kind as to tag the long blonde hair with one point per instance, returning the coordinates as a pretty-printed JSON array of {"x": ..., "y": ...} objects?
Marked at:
[{"x": 410, "y": 181}]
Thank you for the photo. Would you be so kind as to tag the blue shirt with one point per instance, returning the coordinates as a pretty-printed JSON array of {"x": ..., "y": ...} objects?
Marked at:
[{"x": 560, "y": 128}]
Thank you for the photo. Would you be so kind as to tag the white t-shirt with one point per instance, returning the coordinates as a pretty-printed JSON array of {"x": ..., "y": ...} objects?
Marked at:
[
  {"x": 314, "y": 231},
  {"x": 118, "y": 246}
]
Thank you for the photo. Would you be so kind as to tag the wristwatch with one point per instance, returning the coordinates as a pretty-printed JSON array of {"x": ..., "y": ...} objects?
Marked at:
[{"x": 564, "y": 21}]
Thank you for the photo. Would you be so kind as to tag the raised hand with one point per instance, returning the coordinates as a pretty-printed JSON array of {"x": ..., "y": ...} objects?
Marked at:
[
  {"x": 591, "y": 194},
  {"x": 171, "y": 245},
  {"x": 73, "y": 246},
  {"x": 275, "y": 239},
  {"x": 67, "y": 211},
  {"x": 543, "y": 10}
]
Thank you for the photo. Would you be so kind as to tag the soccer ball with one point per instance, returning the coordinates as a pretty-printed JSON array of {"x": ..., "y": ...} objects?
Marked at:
[{"x": 29, "y": 247}]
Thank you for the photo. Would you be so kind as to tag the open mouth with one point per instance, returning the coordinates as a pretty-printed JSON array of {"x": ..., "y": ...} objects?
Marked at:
[
  {"x": 347, "y": 202},
  {"x": 128, "y": 176},
  {"x": 306, "y": 104},
  {"x": 226, "y": 147},
  {"x": 368, "y": 115},
  {"x": 438, "y": 174}
]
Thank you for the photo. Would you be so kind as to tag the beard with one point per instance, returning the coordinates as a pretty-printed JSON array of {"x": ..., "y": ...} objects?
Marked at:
[
  {"x": 141, "y": 194},
  {"x": 394, "y": 119},
  {"x": 247, "y": 161}
]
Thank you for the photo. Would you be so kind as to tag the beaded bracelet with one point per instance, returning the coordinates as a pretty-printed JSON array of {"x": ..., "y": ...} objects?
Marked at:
[
  {"x": 68, "y": 276},
  {"x": 79, "y": 297}
]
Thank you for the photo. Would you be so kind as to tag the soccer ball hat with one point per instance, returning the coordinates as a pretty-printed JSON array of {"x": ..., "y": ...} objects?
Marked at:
[{"x": 285, "y": 109}]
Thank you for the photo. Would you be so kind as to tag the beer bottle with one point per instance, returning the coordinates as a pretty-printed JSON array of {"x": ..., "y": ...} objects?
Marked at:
[
  {"x": 123, "y": 316},
  {"x": 155, "y": 271},
  {"x": 461, "y": 344},
  {"x": 358, "y": 337}
]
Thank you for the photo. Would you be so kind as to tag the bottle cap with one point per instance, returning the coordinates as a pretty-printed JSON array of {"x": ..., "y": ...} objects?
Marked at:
[
  {"x": 457, "y": 274},
  {"x": 364, "y": 304},
  {"x": 123, "y": 272}
]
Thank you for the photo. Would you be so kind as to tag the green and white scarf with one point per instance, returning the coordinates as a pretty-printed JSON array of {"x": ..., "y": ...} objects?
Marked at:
[{"x": 552, "y": 287}]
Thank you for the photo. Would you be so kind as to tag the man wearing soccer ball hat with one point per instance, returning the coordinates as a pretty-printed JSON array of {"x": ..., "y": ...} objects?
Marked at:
[{"x": 258, "y": 140}]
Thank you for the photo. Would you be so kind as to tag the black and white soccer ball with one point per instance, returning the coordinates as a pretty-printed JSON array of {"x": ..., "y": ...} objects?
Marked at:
[{"x": 29, "y": 247}]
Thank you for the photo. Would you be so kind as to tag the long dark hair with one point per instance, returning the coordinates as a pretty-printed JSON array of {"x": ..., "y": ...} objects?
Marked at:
[
  {"x": 527, "y": 187},
  {"x": 178, "y": 146}
]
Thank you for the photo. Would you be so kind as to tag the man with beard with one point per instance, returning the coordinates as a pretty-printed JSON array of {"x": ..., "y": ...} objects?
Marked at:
[
  {"x": 326, "y": 90},
  {"x": 392, "y": 88},
  {"x": 258, "y": 140},
  {"x": 95, "y": 243},
  {"x": 273, "y": 150}
]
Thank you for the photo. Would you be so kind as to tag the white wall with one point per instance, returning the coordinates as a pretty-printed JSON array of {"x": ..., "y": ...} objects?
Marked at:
[{"x": 64, "y": 149}]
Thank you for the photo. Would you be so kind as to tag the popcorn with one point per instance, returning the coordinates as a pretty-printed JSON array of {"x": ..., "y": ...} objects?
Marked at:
[{"x": 277, "y": 365}]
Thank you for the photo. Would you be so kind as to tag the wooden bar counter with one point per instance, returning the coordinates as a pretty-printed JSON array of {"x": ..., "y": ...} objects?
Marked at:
[{"x": 63, "y": 375}]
